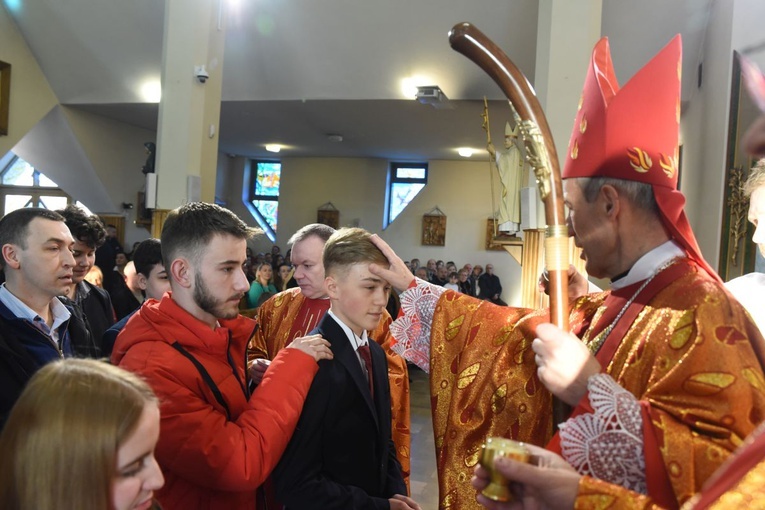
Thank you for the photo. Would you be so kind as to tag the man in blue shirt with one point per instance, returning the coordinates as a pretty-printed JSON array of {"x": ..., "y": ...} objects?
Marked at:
[{"x": 37, "y": 260}]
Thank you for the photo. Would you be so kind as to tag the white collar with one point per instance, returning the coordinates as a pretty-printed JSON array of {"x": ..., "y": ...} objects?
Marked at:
[
  {"x": 650, "y": 263},
  {"x": 58, "y": 311},
  {"x": 353, "y": 338}
]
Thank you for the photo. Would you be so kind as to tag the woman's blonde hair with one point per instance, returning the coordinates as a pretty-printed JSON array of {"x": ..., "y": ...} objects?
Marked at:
[
  {"x": 261, "y": 266},
  {"x": 59, "y": 446}
]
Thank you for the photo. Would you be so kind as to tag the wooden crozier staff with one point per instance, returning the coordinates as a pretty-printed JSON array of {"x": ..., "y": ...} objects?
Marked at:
[{"x": 541, "y": 156}]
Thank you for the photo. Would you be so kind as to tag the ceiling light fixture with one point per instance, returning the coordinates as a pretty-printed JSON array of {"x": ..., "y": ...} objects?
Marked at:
[
  {"x": 273, "y": 147},
  {"x": 465, "y": 152},
  {"x": 434, "y": 96},
  {"x": 335, "y": 138},
  {"x": 409, "y": 85},
  {"x": 151, "y": 91}
]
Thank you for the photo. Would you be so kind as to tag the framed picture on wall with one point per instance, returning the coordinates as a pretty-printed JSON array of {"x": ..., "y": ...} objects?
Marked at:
[
  {"x": 434, "y": 228},
  {"x": 142, "y": 214},
  {"x": 327, "y": 214}
]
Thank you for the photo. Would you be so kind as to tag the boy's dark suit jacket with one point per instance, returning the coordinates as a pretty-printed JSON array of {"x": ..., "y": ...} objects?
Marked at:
[{"x": 341, "y": 455}]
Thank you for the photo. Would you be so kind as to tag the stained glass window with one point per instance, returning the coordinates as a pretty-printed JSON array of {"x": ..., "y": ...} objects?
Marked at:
[
  {"x": 262, "y": 185},
  {"x": 405, "y": 181}
]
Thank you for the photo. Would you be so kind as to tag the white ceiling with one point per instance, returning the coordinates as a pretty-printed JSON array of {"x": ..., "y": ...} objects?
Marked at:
[{"x": 297, "y": 70}]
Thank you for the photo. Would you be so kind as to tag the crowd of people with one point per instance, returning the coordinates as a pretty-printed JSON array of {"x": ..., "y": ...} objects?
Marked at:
[
  {"x": 469, "y": 279},
  {"x": 306, "y": 405}
]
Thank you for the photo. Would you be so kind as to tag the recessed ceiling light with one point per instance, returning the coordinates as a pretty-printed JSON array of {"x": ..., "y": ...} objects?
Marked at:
[
  {"x": 465, "y": 152},
  {"x": 335, "y": 138},
  {"x": 273, "y": 147}
]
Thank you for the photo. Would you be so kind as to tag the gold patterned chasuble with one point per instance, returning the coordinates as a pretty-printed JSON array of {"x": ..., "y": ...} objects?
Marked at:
[{"x": 691, "y": 357}]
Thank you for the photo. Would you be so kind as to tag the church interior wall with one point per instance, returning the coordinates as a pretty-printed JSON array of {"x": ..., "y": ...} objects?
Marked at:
[
  {"x": 357, "y": 186},
  {"x": 32, "y": 95}
]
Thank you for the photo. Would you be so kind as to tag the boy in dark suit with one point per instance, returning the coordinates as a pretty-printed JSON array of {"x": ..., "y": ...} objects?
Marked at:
[{"x": 341, "y": 455}]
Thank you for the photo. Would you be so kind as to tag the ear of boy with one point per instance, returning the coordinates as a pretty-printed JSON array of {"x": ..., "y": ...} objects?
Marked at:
[{"x": 331, "y": 283}]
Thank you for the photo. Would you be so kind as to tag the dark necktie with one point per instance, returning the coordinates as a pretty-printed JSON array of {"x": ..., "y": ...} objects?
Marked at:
[{"x": 366, "y": 356}]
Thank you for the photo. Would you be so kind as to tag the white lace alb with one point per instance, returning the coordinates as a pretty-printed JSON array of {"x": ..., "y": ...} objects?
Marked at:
[
  {"x": 607, "y": 444},
  {"x": 411, "y": 332}
]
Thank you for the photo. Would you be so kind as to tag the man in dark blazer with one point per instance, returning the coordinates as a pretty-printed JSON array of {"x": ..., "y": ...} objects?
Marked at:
[{"x": 341, "y": 455}]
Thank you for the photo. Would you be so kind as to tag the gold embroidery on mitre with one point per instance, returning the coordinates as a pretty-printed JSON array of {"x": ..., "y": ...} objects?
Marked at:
[
  {"x": 467, "y": 376},
  {"x": 639, "y": 160},
  {"x": 581, "y": 102},
  {"x": 583, "y": 125},
  {"x": 679, "y": 70},
  {"x": 677, "y": 112},
  {"x": 668, "y": 165},
  {"x": 575, "y": 150}
]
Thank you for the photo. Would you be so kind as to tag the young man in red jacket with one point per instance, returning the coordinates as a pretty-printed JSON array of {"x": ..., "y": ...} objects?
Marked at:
[{"x": 218, "y": 442}]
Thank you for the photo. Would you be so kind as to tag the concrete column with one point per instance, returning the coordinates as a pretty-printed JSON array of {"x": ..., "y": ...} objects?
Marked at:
[
  {"x": 567, "y": 30},
  {"x": 189, "y": 112}
]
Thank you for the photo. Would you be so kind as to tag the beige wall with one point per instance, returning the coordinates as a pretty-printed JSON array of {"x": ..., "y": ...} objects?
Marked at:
[
  {"x": 357, "y": 188},
  {"x": 31, "y": 95},
  {"x": 116, "y": 152}
]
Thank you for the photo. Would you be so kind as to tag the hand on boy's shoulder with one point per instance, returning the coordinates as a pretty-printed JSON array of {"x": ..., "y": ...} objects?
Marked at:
[
  {"x": 313, "y": 345},
  {"x": 401, "y": 502}
]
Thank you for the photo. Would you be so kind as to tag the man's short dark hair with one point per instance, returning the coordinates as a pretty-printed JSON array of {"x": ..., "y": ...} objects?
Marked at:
[
  {"x": 147, "y": 254},
  {"x": 190, "y": 228},
  {"x": 14, "y": 227},
  {"x": 84, "y": 227},
  {"x": 319, "y": 230}
]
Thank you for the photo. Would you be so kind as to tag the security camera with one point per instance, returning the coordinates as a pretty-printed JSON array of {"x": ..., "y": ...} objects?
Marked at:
[{"x": 201, "y": 73}]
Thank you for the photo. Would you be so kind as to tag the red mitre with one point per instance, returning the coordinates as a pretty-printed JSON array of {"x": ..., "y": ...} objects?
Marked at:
[{"x": 632, "y": 133}]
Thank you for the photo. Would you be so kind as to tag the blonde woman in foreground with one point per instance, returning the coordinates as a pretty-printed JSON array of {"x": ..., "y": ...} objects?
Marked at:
[{"x": 82, "y": 435}]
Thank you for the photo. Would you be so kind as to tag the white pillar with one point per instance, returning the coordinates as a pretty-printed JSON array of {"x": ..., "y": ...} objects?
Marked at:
[
  {"x": 567, "y": 30},
  {"x": 189, "y": 112}
]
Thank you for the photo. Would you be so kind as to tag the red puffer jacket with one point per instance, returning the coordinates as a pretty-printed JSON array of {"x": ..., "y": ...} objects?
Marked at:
[{"x": 214, "y": 450}]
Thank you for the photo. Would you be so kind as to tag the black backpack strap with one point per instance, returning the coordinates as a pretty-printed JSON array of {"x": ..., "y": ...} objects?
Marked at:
[{"x": 206, "y": 376}]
